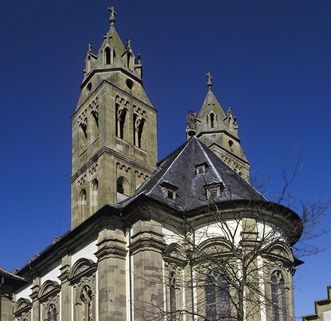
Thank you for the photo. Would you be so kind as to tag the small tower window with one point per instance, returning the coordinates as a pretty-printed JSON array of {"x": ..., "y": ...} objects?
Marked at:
[
  {"x": 82, "y": 204},
  {"x": 122, "y": 188},
  {"x": 107, "y": 56},
  {"x": 129, "y": 83},
  {"x": 212, "y": 120},
  {"x": 82, "y": 137},
  {"x": 138, "y": 130},
  {"x": 120, "y": 121},
  {"x": 94, "y": 196},
  {"x": 94, "y": 125}
]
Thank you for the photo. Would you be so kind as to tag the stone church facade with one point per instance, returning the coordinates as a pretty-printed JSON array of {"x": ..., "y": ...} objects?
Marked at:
[{"x": 186, "y": 238}]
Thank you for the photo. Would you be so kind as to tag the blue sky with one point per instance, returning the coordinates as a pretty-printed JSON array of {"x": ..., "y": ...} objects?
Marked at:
[{"x": 270, "y": 61}]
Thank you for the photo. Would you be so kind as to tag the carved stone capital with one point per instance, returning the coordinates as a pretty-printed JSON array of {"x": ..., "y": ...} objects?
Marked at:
[
  {"x": 147, "y": 240},
  {"x": 35, "y": 289},
  {"x": 111, "y": 244},
  {"x": 65, "y": 269}
]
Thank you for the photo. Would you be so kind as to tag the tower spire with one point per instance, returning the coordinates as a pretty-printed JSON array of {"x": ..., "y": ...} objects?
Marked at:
[
  {"x": 112, "y": 18},
  {"x": 209, "y": 81}
]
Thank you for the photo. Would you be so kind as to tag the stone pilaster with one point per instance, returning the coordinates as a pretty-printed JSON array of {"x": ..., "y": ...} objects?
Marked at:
[
  {"x": 65, "y": 288},
  {"x": 146, "y": 248},
  {"x": 35, "y": 301},
  {"x": 6, "y": 305},
  {"x": 111, "y": 275}
]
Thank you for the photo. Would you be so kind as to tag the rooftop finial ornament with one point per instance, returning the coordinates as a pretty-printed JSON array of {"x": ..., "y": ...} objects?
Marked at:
[
  {"x": 90, "y": 49},
  {"x": 209, "y": 80},
  {"x": 112, "y": 18}
]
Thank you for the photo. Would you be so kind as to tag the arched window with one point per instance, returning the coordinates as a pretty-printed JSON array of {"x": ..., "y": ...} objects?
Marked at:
[
  {"x": 51, "y": 313},
  {"x": 217, "y": 297},
  {"x": 120, "y": 121},
  {"x": 82, "y": 204},
  {"x": 122, "y": 185},
  {"x": 278, "y": 297},
  {"x": 94, "y": 125},
  {"x": 85, "y": 307},
  {"x": 94, "y": 195},
  {"x": 138, "y": 130},
  {"x": 212, "y": 120},
  {"x": 82, "y": 135},
  {"x": 107, "y": 56},
  {"x": 172, "y": 295}
]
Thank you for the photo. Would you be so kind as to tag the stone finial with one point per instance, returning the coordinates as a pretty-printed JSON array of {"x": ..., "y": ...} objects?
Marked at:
[
  {"x": 128, "y": 44},
  {"x": 209, "y": 80},
  {"x": 229, "y": 112},
  {"x": 112, "y": 18},
  {"x": 139, "y": 61},
  {"x": 90, "y": 49}
]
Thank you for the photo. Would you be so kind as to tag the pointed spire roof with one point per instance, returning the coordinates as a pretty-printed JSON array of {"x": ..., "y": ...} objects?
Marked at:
[
  {"x": 112, "y": 38},
  {"x": 210, "y": 102},
  {"x": 180, "y": 172}
]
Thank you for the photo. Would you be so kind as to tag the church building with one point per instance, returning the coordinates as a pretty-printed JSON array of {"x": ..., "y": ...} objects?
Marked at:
[{"x": 183, "y": 238}]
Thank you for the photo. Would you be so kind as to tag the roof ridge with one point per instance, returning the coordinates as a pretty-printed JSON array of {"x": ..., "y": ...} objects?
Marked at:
[
  {"x": 210, "y": 162},
  {"x": 172, "y": 162}
]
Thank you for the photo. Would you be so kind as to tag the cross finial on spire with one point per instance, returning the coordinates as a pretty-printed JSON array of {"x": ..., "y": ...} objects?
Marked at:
[
  {"x": 90, "y": 49},
  {"x": 112, "y": 18},
  {"x": 209, "y": 80}
]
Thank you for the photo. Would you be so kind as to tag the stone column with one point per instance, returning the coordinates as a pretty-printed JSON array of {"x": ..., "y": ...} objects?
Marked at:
[
  {"x": 65, "y": 288},
  {"x": 111, "y": 275},
  {"x": 35, "y": 300},
  {"x": 146, "y": 248}
]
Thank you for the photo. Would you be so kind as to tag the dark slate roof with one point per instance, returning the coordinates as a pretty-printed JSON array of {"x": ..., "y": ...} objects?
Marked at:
[
  {"x": 11, "y": 280},
  {"x": 178, "y": 171}
]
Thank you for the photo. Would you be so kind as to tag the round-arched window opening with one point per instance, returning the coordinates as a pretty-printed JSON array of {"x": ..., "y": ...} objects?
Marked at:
[
  {"x": 230, "y": 143},
  {"x": 89, "y": 86},
  {"x": 129, "y": 83}
]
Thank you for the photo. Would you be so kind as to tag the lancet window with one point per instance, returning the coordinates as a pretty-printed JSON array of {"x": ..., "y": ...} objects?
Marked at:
[
  {"x": 120, "y": 121},
  {"x": 138, "y": 130},
  {"x": 82, "y": 204},
  {"x": 212, "y": 120},
  {"x": 94, "y": 125},
  {"x": 278, "y": 297},
  {"x": 122, "y": 185},
  {"x": 107, "y": 56},
  {"x": 94, "y": 195},
  {"x": 82, "y": 135}
]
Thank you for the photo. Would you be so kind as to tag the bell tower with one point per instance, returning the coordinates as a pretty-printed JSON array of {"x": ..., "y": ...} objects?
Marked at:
[
  {"x": 114, "y": 133},
  {"x": 219, "y": 131}
]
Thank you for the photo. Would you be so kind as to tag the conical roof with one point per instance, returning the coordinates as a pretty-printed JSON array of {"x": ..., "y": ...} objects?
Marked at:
[{"x": 197, "y": 177}]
